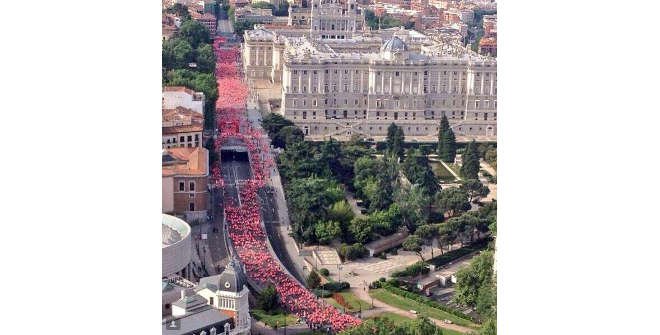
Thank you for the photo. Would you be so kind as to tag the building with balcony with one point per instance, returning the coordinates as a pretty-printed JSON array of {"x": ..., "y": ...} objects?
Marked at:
[{"x": 182, "y": 127}]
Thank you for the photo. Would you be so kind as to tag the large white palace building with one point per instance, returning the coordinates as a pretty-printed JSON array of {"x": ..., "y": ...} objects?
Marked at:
[{"x": 340, "y": 79}]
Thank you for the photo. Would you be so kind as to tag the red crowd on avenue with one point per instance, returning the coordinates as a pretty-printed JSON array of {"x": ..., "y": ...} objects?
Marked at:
[{"x": 246, "y": 231}]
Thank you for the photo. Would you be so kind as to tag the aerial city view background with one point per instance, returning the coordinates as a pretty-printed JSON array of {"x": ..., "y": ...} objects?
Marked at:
[{"x": 329, "y": 167}]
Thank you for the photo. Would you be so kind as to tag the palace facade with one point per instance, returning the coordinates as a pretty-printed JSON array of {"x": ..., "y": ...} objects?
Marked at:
[{"x": 339, "y": 79}]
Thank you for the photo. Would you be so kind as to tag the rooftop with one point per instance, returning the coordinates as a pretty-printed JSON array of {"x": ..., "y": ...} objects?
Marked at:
[
  {"x": 195, "y": 321},
  {"x": 185, "y": 161}
]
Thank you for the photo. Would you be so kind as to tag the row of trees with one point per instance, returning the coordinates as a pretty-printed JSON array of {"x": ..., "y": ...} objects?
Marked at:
[{"x": 461, "y": 229}]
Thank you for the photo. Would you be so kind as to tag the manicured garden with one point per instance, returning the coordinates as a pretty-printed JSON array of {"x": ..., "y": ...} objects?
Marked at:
[
  {"x": 441, "y": 172},
  {"x": 409, "y": 304},
  {"x": 354, "y": 303}
]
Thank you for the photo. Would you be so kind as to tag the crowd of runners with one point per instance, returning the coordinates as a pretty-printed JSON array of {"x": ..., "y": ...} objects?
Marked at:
[{"x": 246, "y": 232}]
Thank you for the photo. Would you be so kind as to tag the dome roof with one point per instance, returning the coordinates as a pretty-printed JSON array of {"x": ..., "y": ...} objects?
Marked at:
[{"x": 394, "y": 44}]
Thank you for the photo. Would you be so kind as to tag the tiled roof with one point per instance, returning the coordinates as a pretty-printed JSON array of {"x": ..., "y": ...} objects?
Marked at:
[{"x": 185, "y": 161}]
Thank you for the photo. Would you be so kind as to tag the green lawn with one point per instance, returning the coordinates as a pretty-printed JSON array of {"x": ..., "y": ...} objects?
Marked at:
[
  {"x": 456, "y": 168},
  {"x": 353, "y": 301},
  {"x": 276, "y": 318},
  {"x": 397, "y": 319},
  {"x": 441, "y": 172},
  {"x": 408, "y": 304}
]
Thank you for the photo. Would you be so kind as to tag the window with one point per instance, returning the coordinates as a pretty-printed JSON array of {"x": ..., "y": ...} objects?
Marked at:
[
  {"x": 189, "y": 138},
  {"x": 182, "y": 139},
  {"x": 192, "y": 186},
  {"x": 182, "y": 186},
  {"x": 191, "y": 206}
]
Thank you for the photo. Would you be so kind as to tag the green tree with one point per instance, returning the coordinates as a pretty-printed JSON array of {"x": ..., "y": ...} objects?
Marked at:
[
  {"x": 299, "y": 160},
  {"x": 442, "y": 130},
  {"x": 413, "y": 243},
  {"x": 177, "y": 53},
  {"x": 386, "y": 222},
  {"x": 204, "y": 82},
  {"x": 273, "y": 122},
  {"x": 413, "y": 204},
  {"x": 395, "y": 138},
  {"x": 490, "y": 156},
  {"x": 326, "y": 231},
  {"x": 351, "y": 252},
  {"x": 194, "y": 32},
  {"x": 417, "y": 169},
  {"x": 309, "y": 200},
  {"x": 268, "y": 299},
  {"x": 487, "y": 299},
  {"x": 470, "y": 167},
  {"x": 341, "y": 212},
  {"x": 452, "y": 201},
  {"x": 287, "y": 136},
  {"x": 489, "y": 327},
  {"x": 474, "y": 189},
  {"x": 313, "y": 280},
  {"x": 470, "y": 279},
  {"x": 241, "y": 26},
  {"x": 375, "y": 181},
  {"x": 361, "y": 229},
  {"x": 449, "y": 147},
  {"x": 205, "y": 58},
  {"x": 262, "y": 5}
]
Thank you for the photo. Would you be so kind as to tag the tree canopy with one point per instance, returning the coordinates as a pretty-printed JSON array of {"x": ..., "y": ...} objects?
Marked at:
[
  {"x": 452, "y": 201},
  {"x": 395, "y": 138},
  {"x": 195, "y": 32},
  {"x": 474, "y": 189},
  {"x": 470, "y": 279},
  {"x": 309, "y": 202},
  {"x": 268, "y": 299},
  {"x": 446, "y": 141},
  {"x": 470, "y": 167},
  {"x": 418, "y": 171}
]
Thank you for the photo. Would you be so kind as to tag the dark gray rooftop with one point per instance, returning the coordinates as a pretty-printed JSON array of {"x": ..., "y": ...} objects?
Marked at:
[{"x": 197, "y": 321}]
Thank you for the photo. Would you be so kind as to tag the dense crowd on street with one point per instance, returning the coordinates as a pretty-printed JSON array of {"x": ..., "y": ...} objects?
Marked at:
[{"x": 246, "y": 232}]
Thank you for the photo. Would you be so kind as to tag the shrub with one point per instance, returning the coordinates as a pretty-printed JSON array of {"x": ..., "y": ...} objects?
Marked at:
[
  {"x": 412, "y": 270},
  {"x": 313, "y": 280},
  {"x": 350, "y": 252},
  {"x": 336, "y": 286},
  {"x": 322, "y": 293},
  {"x": 376, "y": 284},
  {"x": 324, "y": 272}
]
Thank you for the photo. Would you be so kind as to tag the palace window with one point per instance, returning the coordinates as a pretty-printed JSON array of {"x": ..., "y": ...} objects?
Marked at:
[
  {"x": 192, "y": 186},
  {"x": 182, "y": 186}
]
